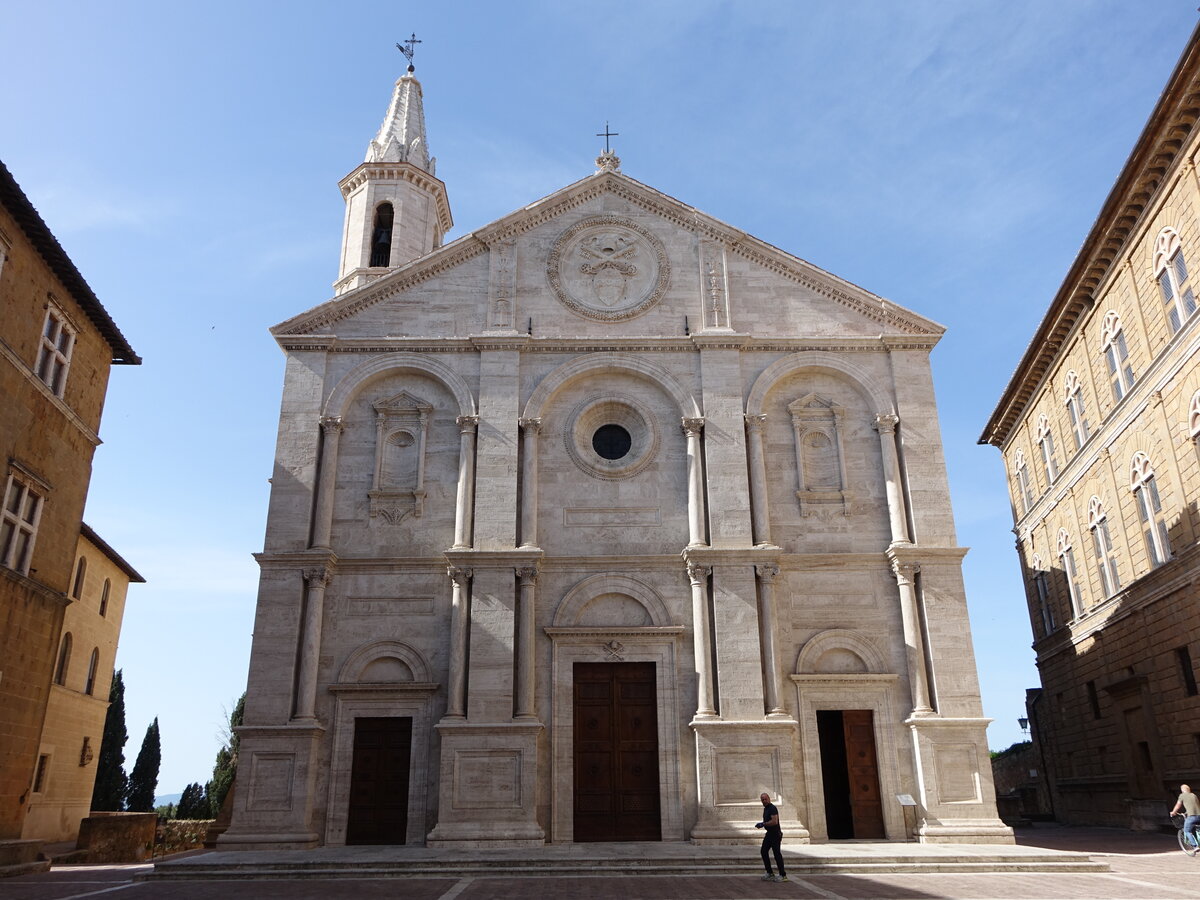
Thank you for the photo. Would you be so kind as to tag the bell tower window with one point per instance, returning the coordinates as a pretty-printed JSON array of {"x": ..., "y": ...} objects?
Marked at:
[{"x": 381, "y": 236}]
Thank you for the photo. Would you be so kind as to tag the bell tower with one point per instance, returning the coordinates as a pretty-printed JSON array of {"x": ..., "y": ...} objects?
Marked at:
[{"x": 396, "y": 208}]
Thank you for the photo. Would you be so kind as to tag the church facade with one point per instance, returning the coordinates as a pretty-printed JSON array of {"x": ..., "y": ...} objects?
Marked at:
[{"x": 594, "y": 524}]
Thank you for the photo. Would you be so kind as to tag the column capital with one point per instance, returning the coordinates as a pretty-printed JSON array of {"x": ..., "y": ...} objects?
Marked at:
[
  {"x": 332, "y": 424},
  {"x": 692, "y": 425},
  {"x": 756, "y": 421},
  {"x": 885, "y": 423},
  {"x": 767, "y": 572},
  {"x": 530, "y": 423},
  {"x": 527, "y": 575},
  {"x": 698, "y": 573},
  {"x": 905, "y": 571},
  {"x": 467, "y": 424},
  {"x": 460, "y": 575},
  {"x": 318, "y": 576}
]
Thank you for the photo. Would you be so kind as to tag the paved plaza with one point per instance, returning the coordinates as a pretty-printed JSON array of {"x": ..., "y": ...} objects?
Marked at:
[{"x": 1141, "y": 866}]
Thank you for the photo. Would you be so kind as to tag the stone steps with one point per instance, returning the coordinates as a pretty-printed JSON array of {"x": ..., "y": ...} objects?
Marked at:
[
  {"x": 18, "y": 857},
  {"x": 231, "y": 866}
]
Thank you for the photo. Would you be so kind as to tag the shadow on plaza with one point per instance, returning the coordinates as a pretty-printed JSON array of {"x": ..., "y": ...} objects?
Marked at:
[{"x": 1095, "y": 839}]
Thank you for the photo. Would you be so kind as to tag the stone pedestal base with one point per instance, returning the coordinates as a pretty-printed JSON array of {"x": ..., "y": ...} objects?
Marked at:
[
  {"x": 736, "y": 762},
  {"x": 488, "y": 786},
  {"x": 272, "y": 809},
  {"x": 958, "y": 798}
]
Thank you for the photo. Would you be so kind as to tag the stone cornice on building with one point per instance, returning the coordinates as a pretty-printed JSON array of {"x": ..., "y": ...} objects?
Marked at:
[
  {"x": 43, "y": 240},
  {"x": 402, "y": 171},
  {"x": 643, "y": 343},
  {"x": 114, "y": 557},
  {"x": 1155, "y": 156},
  {"x": 471, "y": 245}
]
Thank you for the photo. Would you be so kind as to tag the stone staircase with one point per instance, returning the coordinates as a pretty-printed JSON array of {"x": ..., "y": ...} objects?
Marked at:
[
  {"x": 21, "y": 858},
  {"x": 616, "y": 859}
]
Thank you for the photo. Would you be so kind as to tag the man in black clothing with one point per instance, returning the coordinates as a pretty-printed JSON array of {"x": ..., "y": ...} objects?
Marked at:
[{"x": 772, "y": 839}]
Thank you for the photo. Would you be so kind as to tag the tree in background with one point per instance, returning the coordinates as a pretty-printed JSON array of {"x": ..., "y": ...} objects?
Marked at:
[
  {"x": 143, "y": 780},
  {"x": 193, "y": 803},
  {"x": 226, "y": 766},
  {"x": 109, "y": 793}
]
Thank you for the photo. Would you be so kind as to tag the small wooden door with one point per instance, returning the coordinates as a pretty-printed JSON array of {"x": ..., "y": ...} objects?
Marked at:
[
  {"x": 866, "y": 804},
  {"x": 379, "y": 781},
  {"x": 616, "y": 752}
]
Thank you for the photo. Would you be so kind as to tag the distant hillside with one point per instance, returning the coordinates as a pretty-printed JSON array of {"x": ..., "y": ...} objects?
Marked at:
[{"x": 164, "y": 799}]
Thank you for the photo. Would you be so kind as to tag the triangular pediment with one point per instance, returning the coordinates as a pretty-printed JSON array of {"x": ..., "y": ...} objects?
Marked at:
[{"x": 876, "y": 313}]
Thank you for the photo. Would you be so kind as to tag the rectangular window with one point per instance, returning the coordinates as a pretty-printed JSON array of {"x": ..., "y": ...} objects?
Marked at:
[
  {"x": 1185, "y": 669},
  {"x": 1072, "y": 574},
  {"x": 1043, "y": 595},
  {"x": 40, "y": 774},
  {"x": 54, "y": 356},
  {"x": 18, "y": 524},
  {"x": 1048, "y": 456},
  {"x": 1023, "y": 484},
  {"x": 1079, "y": 423},
  {"x": 1106, "y": 562},
  {"x": 1154, "y": 527},
  {"x": 1093, "y": 699}
]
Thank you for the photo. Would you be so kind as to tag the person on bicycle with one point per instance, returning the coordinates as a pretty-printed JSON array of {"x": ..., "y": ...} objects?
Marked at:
[{"x": 1190, "y": 804}]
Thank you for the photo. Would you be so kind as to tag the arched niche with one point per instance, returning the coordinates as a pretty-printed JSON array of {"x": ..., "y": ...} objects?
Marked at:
[
  {"x": 384, "y": 662},
  {"x": 397, "y": 363},
  {"x": 840, "y": 651},
  {"x": 620, "y": 596},
  {"x": 878, "y": 398}
]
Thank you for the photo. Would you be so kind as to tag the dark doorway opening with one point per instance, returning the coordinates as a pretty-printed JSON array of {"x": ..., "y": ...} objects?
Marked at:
[
  {"x": 379, "y": 781},
  {"x": 850, "y": 774},
  {"x": 616, "y": 752}
]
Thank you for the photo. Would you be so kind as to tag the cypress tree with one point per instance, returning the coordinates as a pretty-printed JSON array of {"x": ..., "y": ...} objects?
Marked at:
[
  {"x": 108, "y": 795},
  {"x": 226, "y": 765},
  {"x": 143, "y": 780},
  {"x": 193, "y": 804}
]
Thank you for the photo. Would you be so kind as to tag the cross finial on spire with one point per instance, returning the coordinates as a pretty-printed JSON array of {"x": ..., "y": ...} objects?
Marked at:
[
  {"x": 409, "y": 47},
  {"x": 606, "y": 134}
]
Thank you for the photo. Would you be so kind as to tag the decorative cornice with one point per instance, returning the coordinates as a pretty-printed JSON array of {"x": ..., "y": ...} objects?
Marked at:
[
  {"x": 1152, "y": 164},
  {"x": 401, "y": 171}
]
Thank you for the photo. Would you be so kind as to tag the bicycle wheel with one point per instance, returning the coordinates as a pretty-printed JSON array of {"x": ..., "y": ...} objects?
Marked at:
[{"x": 1186, "y": 844}]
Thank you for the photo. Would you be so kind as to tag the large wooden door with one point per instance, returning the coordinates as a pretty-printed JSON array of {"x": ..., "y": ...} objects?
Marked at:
[
  {"x": 616, "y": 752},
  {"x": 379, "y": 781},
  {"x": 866, "y": 804}
]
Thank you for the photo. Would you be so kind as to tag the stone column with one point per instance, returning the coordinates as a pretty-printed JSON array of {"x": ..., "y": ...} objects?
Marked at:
[
  {"x": 331, "y": 429},
  {"x": 465, "y": 505},
  {"x": 530, "y": 429},
  {"x": 766, "y": 636},
  {"x": 758, "y": 479},
  {"x": 914, "y": 645},
  {"x": 693, "y": 427},
  {"x": 524, "y": 700},
  {"x": 886, "y": 426},
  {"x": 456, "y": 695},
  {"x": 702, "y": 638},
  {"x": 315, "y": 581}
]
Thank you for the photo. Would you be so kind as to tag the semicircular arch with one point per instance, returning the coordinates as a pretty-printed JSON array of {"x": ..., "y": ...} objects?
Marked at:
[
  {"x": 613, "y": 363},
  {"x": 578, "y": 597},
  {"x": 840, "y": 639},
  {"x": 354, "y": 380},
  {"x": 817, "y": 359},
  {"x": 361, "y": 659}
]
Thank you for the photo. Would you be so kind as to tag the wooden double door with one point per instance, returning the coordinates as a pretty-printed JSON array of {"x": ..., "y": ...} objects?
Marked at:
[
  {"x": 378, "y": 811},
  {"x": 616, "y": 792},
  {"x": 850, "y": 774}
]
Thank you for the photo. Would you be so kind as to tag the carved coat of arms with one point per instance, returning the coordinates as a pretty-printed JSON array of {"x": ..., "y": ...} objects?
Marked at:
[{"x": 608, "y": 268}]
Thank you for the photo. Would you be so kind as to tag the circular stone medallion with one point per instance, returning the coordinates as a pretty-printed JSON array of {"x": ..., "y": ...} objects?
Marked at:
[{"x": 608, "y": 268}]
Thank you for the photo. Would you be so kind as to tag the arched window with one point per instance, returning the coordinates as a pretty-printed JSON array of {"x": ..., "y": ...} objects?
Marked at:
[
  {"x": 381, "y": 236},
  {"x": 104, "y": 597},
  {"x": 1116, "y": 354},
  {"x": 1041, "y": 590},
  {"x": 1171, "y": 273},
  {"x": 80, "y": 574},
  {"x": 1067, "y": 556},
  {"x": 64, "y": 660},
  {"x": 1022, "y": 472},
  {"x": 1046, "y": 442},
  {"x": 1075, "y": 410},
  {"x": 1194, "y": 417},
  {"x": 1154, "y": 523},
  {"x": 1106, "y": 560},
  {"x": 89, "y": 686}
]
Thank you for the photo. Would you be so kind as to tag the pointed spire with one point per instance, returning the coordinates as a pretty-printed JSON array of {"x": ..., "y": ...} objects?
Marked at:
[{"x": 401, "y": 137}]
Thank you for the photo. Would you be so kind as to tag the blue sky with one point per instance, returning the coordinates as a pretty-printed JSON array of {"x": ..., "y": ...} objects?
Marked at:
[{"x": 947, "y": 155}]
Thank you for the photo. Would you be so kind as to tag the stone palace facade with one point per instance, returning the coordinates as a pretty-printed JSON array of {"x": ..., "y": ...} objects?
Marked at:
[{"x": 592, "y": 525}]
